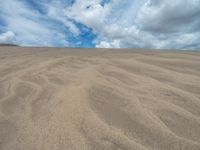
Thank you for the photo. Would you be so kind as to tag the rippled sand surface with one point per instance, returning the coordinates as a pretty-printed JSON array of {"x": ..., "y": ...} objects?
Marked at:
[{"x": 98, "y": 99}]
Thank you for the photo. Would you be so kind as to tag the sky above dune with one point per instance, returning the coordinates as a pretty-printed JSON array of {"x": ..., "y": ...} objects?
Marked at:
[{"x": 168, "y": 24}]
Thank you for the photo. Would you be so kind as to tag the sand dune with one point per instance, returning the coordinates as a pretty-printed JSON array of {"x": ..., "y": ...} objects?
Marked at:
[{"x": 97, "y": 99}]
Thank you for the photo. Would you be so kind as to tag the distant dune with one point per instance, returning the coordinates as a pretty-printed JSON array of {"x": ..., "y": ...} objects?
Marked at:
[
  {"x": 5, "y": 44},
  {"x": 98, "y": 99}
]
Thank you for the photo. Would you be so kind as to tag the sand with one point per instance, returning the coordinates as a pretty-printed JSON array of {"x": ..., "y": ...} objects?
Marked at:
[{"x": 98, "y": 99}]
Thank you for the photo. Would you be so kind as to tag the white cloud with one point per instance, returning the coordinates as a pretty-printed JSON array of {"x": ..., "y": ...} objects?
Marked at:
[
  {"x": 29, "y": 25},
  {"x": 103, "y": 20},
  {"x": 90, "y": 13},
  {"x": 56, "y": 12},
  {"x": 7, "y": 37},
  {"x": 105, "y": 44},
  {"x": 140, "y": 23}
]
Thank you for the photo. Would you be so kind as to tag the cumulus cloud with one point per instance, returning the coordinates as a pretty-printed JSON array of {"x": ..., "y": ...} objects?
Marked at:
[
  {"x": 112, "y": 44},
  {"x": 90, "y": 12},
  {"x": 7, "y": 37},
  {"x": 175, "y": 24},
  {"x": 170, "y": 16},
  {"x": 144, "y": 23}
]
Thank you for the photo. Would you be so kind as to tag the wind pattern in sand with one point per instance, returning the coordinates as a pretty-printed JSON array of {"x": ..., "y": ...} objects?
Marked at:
[{"x": 86, "y": 99}]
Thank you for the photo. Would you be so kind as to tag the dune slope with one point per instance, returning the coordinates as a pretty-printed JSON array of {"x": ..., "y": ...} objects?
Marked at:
[{"x": 98, "y": 99}]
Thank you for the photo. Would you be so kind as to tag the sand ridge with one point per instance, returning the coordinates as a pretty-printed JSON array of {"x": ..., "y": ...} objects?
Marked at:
[{"x": 94, "y": 99}]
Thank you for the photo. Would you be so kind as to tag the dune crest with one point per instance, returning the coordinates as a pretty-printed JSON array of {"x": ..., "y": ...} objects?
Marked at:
[{"x": 98, "y": 99}]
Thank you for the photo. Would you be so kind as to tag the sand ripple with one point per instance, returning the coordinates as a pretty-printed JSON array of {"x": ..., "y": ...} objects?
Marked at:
[{"x": 99, "y": 99}]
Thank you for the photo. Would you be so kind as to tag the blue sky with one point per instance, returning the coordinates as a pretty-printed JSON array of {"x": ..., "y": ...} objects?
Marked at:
[{"x": 101, "y": 23}]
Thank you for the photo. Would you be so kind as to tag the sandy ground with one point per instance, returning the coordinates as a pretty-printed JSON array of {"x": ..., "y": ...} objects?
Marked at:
[{"x": 86, "y": 99}]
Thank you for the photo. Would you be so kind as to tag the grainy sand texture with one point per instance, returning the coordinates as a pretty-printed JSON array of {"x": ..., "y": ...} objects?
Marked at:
[{"x": 99, "y": 99}]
